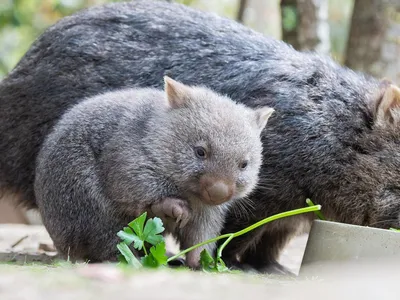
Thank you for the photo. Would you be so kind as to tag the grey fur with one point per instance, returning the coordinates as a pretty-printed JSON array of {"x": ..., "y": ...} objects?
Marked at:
[
  {"x": 323, "y": 142},
  {"x": 116, "y": 155}
]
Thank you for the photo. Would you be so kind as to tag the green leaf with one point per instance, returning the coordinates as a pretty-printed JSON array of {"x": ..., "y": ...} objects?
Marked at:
[
  {"x": 122, "y": 259},
  {"x": 156, "y": 257},
  {"x": 129, "y": 257},
  {"x": 209, "y": 264},
  {"x": 135, "y": 233},
  {"x": 207, "y": 261},
  {"x": 128, "y": 237},
  {"x": 159, "y": 253},
  {"x": 138, "y": 224},
  {"x": 152, "y": 231},
  {"x": 221, "y": 266},
  {"x": 149, "y": 261}
]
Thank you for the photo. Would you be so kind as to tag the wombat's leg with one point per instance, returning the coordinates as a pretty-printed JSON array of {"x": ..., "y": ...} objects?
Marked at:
[
  {"x": 205, "y": 225},
  {"x": 177, "y": 211},
  {"x": 258, "y": 250},
  {"x": 265, "y": 254},
  {"x": 189, "y": 231},
  {"x": 173, "y": 208},
  {"x": 78, "y": 242},
  {"x": 192, "y": 236}
]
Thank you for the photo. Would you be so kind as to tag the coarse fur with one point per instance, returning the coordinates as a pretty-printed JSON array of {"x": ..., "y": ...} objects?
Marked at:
[
  {"x": 116, "y": 155},
  {"x": 325, "y": 140}
]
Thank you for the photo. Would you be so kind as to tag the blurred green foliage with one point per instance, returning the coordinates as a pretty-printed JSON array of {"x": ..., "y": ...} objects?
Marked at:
[
  {"x": 289, "y": 20},
  {"x": 21, "y": 21}
]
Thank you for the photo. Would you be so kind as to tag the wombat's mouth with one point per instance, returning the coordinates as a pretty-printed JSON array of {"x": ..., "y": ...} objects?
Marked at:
[
  {"x": 216, "y": 191},
  {"x": 198, "y": 197},
  {"x": 213, "y": 202}
]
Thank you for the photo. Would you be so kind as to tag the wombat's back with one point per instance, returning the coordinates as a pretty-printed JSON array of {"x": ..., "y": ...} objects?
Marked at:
[{"x": 135, "y": 44}]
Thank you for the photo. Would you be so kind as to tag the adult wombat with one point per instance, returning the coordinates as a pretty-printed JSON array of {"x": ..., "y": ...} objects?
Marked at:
[{"x": 334, "y": 136}]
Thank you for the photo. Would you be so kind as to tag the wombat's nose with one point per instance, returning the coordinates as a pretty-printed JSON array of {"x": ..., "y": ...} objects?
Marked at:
[{"x": 216, "y": 192}]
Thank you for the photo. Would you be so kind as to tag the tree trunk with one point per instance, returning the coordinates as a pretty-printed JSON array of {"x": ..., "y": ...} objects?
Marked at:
[
  {"x": 242, "y": 7},
  {"x": 305, "y": 24},
  {"x": 374, "y": 40}
]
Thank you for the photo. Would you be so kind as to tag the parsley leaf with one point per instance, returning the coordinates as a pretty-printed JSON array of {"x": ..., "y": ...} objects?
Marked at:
[
  {"x": 156, "y": 257},
  {"x": 129, "y": 237},
  {"x": 210, "y": 264},
  {"x": 207, "y": 261},
  {"x": 138, "y": 224},
  {"x": 138, "y": 233},
  {"x": 220, "y": 266},
  {"x": 158, "y": 252},
  {"x": 152, "y": 231},
  {"x": 127, "y": 256}
]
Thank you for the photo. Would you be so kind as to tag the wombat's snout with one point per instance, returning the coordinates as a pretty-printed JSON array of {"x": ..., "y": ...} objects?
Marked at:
[{"x": 215, "y": 191}]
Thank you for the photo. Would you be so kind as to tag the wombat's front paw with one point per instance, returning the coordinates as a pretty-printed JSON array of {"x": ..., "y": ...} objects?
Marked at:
[{"x": 174, "y": 208}]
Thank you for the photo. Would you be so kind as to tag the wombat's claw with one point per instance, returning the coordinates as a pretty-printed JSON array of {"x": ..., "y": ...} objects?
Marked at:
[
  {"x": 174, "y": 208},
  {"x": 180, "y": 211},
  {"x": 181, "y": 215},
  {"x": 178, "y": 219},
  {"x": 183, "y": 223}
]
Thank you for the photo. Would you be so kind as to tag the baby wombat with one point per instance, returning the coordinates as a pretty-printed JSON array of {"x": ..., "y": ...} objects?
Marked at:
[{"x": 183, "y": 155}]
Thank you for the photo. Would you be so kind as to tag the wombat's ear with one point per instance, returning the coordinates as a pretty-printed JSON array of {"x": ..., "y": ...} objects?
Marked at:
[
  {"x": 387, "y": 104},
  {"x": 262, "y": 116},
  {"x": 177, "y": 93}
]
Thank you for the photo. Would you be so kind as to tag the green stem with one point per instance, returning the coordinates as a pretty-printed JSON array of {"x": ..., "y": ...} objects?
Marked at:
[
  {"x": 318, "y": 213},
  {"x": 144, "y": 249},
  {"x": 219, "y": 252},
  {"x": 199, "y": 245},
  {"x": 230, "y": 236}
]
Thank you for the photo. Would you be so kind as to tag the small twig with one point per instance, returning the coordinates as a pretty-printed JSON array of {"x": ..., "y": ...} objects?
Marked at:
[{"x": 19, "y": 241}]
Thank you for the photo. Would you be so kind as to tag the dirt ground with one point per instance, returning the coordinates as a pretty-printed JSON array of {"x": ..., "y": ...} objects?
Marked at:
[{"x": 63, "y": 281}]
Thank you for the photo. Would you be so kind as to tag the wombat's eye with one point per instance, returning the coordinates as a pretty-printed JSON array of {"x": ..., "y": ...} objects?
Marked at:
[
  {"x": 243, "y": 164},
  {"x": 200, "y": 152}
]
